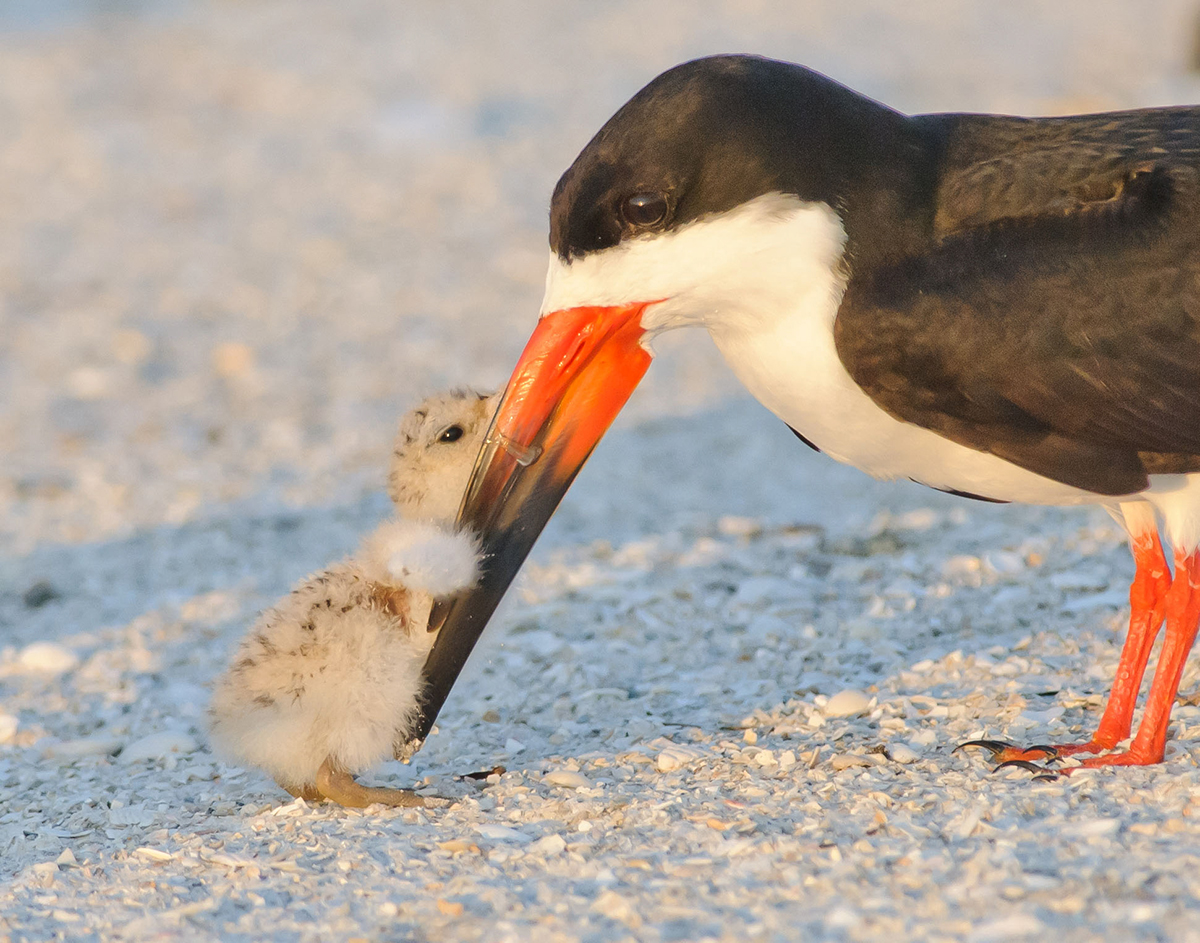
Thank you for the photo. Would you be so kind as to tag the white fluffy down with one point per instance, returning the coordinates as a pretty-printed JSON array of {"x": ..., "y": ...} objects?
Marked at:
[
  {"x": 425, "y": 557},
  {"x": 326, "y": 673},
  {"x": 334, "y": 670}
]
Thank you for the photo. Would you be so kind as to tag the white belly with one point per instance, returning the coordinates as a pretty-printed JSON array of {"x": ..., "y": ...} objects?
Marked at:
[{"x": 793, "y": 369}]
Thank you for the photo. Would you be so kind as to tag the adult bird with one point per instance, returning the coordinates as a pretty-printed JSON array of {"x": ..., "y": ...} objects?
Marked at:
[{"x": 1004, "y": 308}]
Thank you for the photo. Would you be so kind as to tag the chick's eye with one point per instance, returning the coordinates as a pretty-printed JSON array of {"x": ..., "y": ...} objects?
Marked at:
[
  {"x": 645, "y": 209},
  {"x": 451, "y": 434}
]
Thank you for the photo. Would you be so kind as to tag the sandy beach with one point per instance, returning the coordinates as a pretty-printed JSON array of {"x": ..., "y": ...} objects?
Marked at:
[{"x": 238, "y": 240}]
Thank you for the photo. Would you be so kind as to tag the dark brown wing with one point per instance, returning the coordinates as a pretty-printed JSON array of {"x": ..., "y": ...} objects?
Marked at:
[{"x": 1054, "y": 317}]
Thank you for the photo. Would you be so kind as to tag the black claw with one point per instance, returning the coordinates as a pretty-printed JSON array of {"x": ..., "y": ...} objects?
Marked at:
[
  {"x": 1021, "y": 764},
  {"x": 996, "y": 747},
  {"x": 1051, "y": 752}
]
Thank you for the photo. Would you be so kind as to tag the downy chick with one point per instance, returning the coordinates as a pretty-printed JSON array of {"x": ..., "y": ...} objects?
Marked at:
[{"x": 325, "y": 684}]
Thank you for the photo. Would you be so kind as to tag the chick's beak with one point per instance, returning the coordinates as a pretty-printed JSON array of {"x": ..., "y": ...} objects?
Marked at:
[{"x": 578, "y": 370}]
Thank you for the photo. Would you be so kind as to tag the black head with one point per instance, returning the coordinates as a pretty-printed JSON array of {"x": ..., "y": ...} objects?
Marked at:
[{"x": 710, "y": 135}]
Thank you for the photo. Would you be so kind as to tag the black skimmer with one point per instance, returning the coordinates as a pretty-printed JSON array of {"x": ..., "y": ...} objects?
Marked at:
[
  {"x": 325, "y": 684},
  {"x": 1005, "y": 308}
]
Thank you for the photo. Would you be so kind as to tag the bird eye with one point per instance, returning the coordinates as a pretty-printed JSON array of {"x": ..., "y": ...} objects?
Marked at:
[
  {"x": 645, "y": 209},
  {"x": 451, "y": 434}
]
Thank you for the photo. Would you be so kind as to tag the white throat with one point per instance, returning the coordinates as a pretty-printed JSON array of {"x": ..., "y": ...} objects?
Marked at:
[
  {"x": 728, "y": 272},
  {"x": 766, "y": 279}
]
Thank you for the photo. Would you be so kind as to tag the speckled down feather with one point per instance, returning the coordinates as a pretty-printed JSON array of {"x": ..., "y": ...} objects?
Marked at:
[{"x": 333, "y": 670}]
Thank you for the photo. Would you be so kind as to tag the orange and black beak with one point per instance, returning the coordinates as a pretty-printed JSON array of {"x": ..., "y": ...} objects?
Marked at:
[{"x": 579, "y": 368}]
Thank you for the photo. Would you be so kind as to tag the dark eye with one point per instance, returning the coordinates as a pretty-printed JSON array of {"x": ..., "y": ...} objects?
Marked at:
[
  {"x": 451, "y": 434},
  {"x": 645, "y": 209}
]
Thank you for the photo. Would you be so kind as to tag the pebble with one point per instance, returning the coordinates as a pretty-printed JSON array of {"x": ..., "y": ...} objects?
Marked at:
[
  {"x": 902, "y": 753},
  {"x": 502, "y": 833},
  {"x": 733, "y": 526},
  {"x": 568, "y": 779},
  {"x": 548, "y": 845},
  {"x": 158, "y": 746},
  {"x": 8, "y": 727},
  {"x": 232, "y": 359},
  {"x": 840, "y": 761},
  {"x": 674, "y": 757},
  {"x": 40, "y": 593},
  {"x": 47, "y": 658},
  {"x": 153, "y": 854},
  {"x": 1011, "y": 927},
  {"x": 1004, "y": 562},
  {"x": 615, "y": 907},
  {"x": 847, "y": 703}
]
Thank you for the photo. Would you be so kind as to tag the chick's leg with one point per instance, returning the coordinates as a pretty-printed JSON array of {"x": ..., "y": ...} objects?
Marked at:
[{"x": 340, "y": 787}]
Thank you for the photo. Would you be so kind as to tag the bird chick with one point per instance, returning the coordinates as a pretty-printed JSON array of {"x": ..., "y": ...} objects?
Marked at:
[{"x": 325, "y": 684}]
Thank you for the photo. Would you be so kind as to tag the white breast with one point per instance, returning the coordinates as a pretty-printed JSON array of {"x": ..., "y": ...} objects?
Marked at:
[{"x": 793, "y": 369}]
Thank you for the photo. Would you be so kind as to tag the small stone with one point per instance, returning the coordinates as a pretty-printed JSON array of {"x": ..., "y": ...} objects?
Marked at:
[
  {"x": 1093, "y": 828},
  {"x": 843, "y": 761},
  {"x": 733, "y": 526},
  {"x": 232, "y": 359},
  {"x": 491, "y": 717},
  {"x": 8, "y": 727},
  {"x": 672, "y": 758},
  {"x": 39, "y": 594},
  {"x": 131, "y": 347},
  {"x": 960, "y": 566},
  {"x": 1014, "y": 926},
  {"x": 750, "y": 736},
  {"x": 47, "y": 658},
  {"x": 786, "y": 759},
  {"x": 765, "y": 758},
  {"x": 158, "y": 746},
  {"x": 44, "y": 872},
  {"x": 502, "y": 833},
  {"x": 568, "y": 779},
  {"x": 612, "y": 905},
  {"x": 848, "y": 703},
  {"x": 67, "y": 859},
  {"x": 451, "y": 908},
  {"x": 89, "y": 383},
  {"x": 549, "y": 845},
  {"x": 902, "y": 753},
  {"x": 1004, "y": 562},
  {"x": 135, "y": 815}
]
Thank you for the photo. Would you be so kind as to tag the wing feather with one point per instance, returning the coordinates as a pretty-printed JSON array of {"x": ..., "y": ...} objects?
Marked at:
[{"x": 1053, "y": 318}]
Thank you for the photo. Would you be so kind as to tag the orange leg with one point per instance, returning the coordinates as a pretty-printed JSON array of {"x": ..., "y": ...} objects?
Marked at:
[
  {"x": 1183, "y": 618},
  {"x": 1147, "y": 601}
]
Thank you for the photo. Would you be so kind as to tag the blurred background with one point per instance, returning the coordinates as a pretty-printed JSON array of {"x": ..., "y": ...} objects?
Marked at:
[{"x": 238, "y": 237}]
